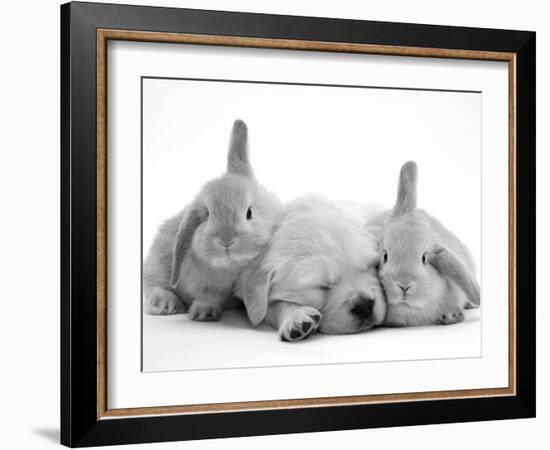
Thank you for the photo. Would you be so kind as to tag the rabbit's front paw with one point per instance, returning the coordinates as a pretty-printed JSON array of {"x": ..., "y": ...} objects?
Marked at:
[
  {"x": 450, "y": 318},
  {"x": 204, "y": 312},
  {"x": 162, "y": 302},
  {"x": 299, "y": 324}
]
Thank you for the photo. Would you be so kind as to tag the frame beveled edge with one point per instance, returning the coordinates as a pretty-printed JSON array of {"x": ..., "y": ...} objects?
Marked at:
[
  {"x": 293, "y": 44},
  {"x": 103, "y": 35}
]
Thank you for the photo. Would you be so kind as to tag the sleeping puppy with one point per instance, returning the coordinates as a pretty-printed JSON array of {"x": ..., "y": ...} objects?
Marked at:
[{"x": 319, "y": 272}]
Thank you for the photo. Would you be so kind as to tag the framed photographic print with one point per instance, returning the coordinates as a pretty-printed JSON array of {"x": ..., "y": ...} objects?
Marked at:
[{"x": 276, "y": 224}]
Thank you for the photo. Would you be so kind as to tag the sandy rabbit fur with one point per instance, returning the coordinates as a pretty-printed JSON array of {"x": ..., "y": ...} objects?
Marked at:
[
  {"x": 428, "y": 274},
  {"x": 198, "y": 254}
]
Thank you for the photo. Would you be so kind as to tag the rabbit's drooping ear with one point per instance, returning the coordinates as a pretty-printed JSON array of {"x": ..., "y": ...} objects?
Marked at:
[
  {"x": 191, "y": 220},
  {"x": 256, "y": 293},
  {"x": 406, "y": 191},
  {"x": 237, "y": 158},
  {"x": 451, "y": 267}
]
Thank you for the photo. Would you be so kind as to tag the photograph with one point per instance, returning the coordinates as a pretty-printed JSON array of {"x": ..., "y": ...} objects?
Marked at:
[{"x": 288, "y": 224}]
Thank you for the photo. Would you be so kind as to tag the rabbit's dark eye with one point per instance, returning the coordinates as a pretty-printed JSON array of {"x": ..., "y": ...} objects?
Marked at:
[
  {"x": 385, "y": 257},
  {"x": 249, "y": 214},
  {"x": 424, "y": 258}
]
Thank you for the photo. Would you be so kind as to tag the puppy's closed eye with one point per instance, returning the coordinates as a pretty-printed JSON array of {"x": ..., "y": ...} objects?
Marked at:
[
  {"x": 372, "y": 266},
  {"x": 327, "y": 286}
]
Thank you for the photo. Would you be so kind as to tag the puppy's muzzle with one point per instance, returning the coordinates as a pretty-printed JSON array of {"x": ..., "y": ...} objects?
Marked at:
[{"x": 363, "y": 308}]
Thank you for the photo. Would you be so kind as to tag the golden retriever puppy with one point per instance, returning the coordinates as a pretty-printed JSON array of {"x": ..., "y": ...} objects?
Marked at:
[{"x": 319, "y": 272}]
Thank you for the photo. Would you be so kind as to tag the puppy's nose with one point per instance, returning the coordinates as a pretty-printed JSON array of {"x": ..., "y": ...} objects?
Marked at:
[{"x": 363, "y": 307}]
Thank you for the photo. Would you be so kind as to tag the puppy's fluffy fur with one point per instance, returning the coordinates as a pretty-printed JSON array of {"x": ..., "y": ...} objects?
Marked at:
[{"x": 318, "y": 272}]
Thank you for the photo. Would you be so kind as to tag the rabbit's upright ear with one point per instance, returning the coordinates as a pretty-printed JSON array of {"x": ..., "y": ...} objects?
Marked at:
[
  {"x": 406, "y": 191},
  {"x": 191, "y": 220},
  {"x": 257, "y": 285},
  {"x": 237, "y": 158},
  {"x": 451, "y": 267}
]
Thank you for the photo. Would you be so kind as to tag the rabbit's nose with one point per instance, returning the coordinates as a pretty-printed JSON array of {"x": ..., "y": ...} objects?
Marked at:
[
  {"x": 225, "y": 244},
  {"x": 404, "y": 288}
]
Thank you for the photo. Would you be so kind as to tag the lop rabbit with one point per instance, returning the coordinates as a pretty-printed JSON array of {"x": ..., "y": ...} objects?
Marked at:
[
  {"x": 428, "y": 274},
  {"x": 198, "y": 254}
]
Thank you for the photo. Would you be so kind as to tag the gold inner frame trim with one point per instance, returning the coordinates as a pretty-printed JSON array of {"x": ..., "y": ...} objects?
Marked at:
[{"x": 104, "y": 35}]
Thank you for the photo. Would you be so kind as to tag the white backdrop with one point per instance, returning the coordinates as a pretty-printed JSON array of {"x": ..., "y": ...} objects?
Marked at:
[
  {"x": 30, "y": 141},
  {"x": 345, "y": 143}
]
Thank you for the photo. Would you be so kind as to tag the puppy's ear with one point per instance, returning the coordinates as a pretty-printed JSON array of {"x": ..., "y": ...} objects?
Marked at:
[
  {"x": 257, "y": 286},
  {"x": 374, "y": 233},
  {"x": 451, "y": 267},
  {"x": 237, "y": 158},
  {"x": 406, "y": 190},
  {"x": 190, "y": 222}
]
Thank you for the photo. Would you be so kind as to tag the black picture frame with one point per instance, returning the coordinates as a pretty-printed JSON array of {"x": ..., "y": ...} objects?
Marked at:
[{"x": 80, "y": 425}]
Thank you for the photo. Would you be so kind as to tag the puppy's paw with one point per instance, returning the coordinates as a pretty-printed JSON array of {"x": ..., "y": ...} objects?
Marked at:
[
  {"x": 299, "y": 324},
  {"x": 450, "y": 318},
  {"x": 162, "y": 302},
  {"x": 204, "y": 312}
]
